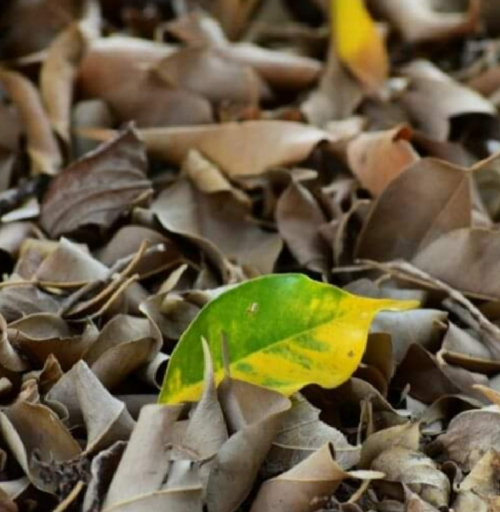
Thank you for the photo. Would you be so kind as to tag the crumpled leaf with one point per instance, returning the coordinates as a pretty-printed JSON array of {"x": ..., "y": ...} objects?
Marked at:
[
  {"x": 70, "y": 265},
  {"x": 96, "y": 190},
  {"x": 302, "y": 342}
]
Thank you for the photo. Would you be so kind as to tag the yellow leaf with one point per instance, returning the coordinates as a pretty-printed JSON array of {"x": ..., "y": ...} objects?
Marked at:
[
  {"x": 358, "y": 43},
  {"x": 283, "y": 333}
]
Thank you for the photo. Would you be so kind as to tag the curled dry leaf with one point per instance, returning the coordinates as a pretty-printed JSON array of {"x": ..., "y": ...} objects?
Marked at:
[
  {"x": 279, "y": 69},
  {"x": 42, "y": 335},
  {"x": 473, "y": 249},
  {"x": 70, "y": 265},
  {"x": 42, "y": 144},
  {"x": 96, "y": 190},
  {"x": 239, "y": 149},
  {"x": 418, "y": 472},
  {"x": 418, "y": 21},
  {"x": 405, "y": 436},
  {"x": 31, "y": 428},
  {"x": 433, "y": 99},
  {"x": 254, "y": 415},
  {"x": 57, "y": 78},
  {"x": 315, "y": 477},
  {"x": 467, "y": 350},
  {"x": 106, "y": 418},
  {"x": 336, "y": 96},
  {"x": 469, "y": 437},
  {"x": 303, "y": 433},
  {"x": 428, "y": 200},
  {"x": 211, "y": 220},
  {"x": 377, "y": 158},
  {"x": 299, "y": 219},
  {"x": 118, "y": 70},
  {"x": 422, "y": 326},
  {"x": 205, "y": 71},
  {"x": 128, "y": 240},
  {"x": 144, "y": 467}
]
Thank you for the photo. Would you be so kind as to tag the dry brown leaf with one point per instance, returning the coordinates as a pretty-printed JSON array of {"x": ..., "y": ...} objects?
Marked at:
[
  {"x": 210, "y": 222},
  {"x": 42, "y": 334},
  {"x": 418, "y": 472},
  {"x": 118, "y": 70},
  {"x": 253, "y": 416},
  {"x": 417, "y": 21},
  {"x": 475, "y": 250},
  {"x": 428, "y": 200},
  {"x": 239, "y": 149},
  {"x": 208, "y": 178},
  {"x": 315, "y": 477},
  {"x": 377, "y": 158},
  {"x": 145, "y": 463},
  {"x": 128, "y": 240},
  {"x": 421, "y": 326},
  {"x": 57, "y": 78},
  {"x": 303, "y": 433},
  {"x": 298, "y": 219},
  {"x": 206, "y": 432},
  {"x": 405, "y": 436},
  {"x": 42, "y": 144},
  {"x": 102, "y": 469},
  {"x": 89, "y": 114},
  {"x": 10, "y": 359},
  {"x": 208, "y": 73},
  {"x": 106, "y": 418},
  {"x": 336, "y": 96},
  {"x": 30, "y": 428},
  {"x": 469, "y": 437},
  {"x": 70, "y": 265},
  {"x": 18, "y": 301},
  {"x": 464, "y": 349},
  {"x": 433, "y": 99},
  {"x": 98, "y": 189}
]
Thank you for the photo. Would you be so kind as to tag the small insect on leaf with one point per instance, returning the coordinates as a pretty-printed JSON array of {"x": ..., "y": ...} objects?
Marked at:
[
  {"x": 358, "y": 43},
  {"x": 283, "y": 332}
]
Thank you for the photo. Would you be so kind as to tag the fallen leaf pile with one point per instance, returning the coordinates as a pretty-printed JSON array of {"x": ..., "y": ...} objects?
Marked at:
[{"x": 159, "y": 159}]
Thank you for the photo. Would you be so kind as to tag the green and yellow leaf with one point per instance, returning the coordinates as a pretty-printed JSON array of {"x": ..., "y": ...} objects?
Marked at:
[
  {"x": 283, "y": 332},
  {"x": 358, "y": 43}
]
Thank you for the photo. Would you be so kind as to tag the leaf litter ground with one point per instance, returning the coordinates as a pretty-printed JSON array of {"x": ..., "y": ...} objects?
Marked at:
[{"x": 154, "y": 156}]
